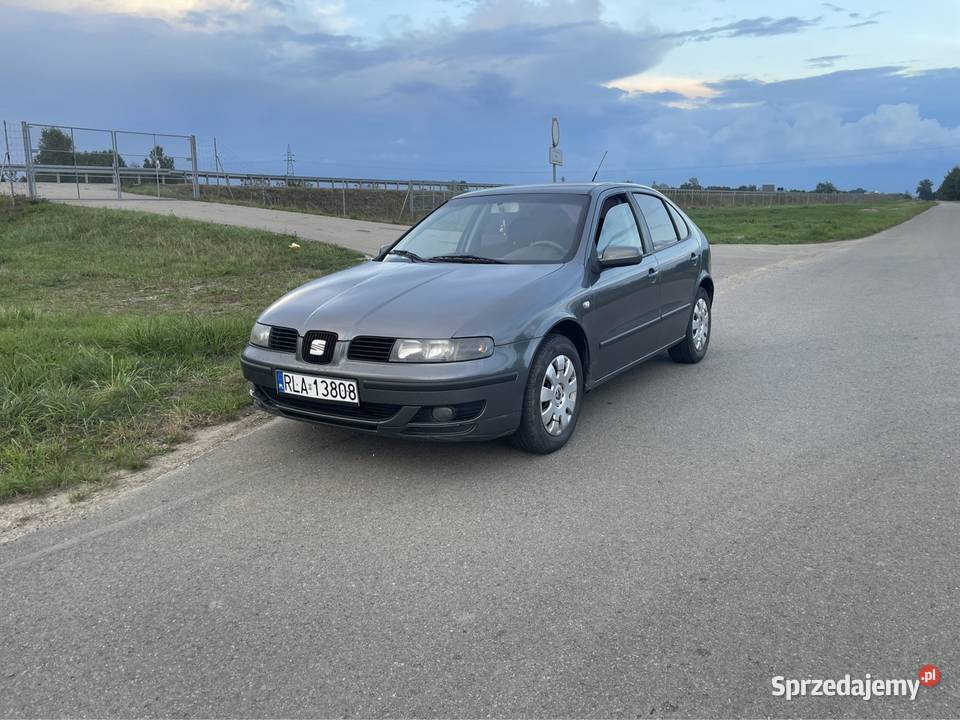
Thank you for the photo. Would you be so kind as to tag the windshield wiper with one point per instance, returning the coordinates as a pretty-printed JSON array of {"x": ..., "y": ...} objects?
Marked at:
[
  {"x": 466, "y": 259},
  {"x": 412, "y": 256}
]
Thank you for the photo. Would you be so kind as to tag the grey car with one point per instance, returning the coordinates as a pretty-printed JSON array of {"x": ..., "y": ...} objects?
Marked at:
[{"x": 493, "y": 316}]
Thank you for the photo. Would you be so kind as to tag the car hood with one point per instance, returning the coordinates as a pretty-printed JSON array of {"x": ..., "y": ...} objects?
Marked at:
[{"x": 400, "y": 299}]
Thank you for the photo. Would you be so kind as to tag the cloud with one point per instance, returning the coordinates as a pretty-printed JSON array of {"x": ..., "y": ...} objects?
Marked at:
[
  {"x": 824, "y": 61},
  {"x": 210, "y": 15},
  {"x": 834, "y": 8},
  {"x": 672, "y": 91},
  {"x": 469, "y": 99},
  {"x": 750, "y": 27}
]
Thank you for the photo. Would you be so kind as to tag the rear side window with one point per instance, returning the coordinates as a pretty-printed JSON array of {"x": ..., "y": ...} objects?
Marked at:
[
  {"x": 658, "y": 220},
  {"x": 683, "y": 230}
]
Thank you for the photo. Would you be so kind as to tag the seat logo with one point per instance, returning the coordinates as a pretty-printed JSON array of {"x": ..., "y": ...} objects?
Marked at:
[{"x": 318, "y": 347}]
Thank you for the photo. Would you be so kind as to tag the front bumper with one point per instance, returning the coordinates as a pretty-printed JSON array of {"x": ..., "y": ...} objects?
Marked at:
[{"x": 396, "y": 399}]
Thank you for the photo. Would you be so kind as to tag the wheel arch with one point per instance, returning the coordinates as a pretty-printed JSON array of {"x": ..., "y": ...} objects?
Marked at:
[
  {"x": 574, "y": 332},
  {"x": 706, "y": 282}
]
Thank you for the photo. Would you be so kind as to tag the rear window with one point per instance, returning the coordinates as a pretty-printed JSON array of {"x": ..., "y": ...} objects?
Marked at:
[
  {"x": 658, "y": 220},
  {"x": 683, "y": 230}
]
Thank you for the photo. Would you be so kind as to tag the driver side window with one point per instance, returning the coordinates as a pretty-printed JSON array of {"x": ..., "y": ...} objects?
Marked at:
[{"x": 618, "y": 226}]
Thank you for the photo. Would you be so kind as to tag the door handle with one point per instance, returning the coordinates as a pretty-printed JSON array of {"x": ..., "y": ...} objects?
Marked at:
[
  {"x": 652, "y": 273},
  {"x": 693, "y": 257}
]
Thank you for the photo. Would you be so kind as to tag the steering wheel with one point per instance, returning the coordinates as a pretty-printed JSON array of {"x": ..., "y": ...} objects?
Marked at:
[{"x": 561, "y": 250}]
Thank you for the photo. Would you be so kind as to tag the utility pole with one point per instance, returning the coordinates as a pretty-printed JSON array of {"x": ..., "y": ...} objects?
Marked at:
[{"x": 290, "y": 161}]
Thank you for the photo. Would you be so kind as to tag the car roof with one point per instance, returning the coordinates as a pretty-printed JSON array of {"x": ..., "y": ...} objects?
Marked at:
[{"x": 571, "y": 188}]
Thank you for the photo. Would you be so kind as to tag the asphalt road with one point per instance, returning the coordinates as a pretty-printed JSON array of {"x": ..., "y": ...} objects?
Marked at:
[
  {"x": 789, "y": 506},
  {"x": 360, "y": 235}
]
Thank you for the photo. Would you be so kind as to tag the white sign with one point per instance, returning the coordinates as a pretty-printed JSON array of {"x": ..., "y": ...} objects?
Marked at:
[
  {"x": 555, "y": 132},
  {"x": 556, "y": 156}
]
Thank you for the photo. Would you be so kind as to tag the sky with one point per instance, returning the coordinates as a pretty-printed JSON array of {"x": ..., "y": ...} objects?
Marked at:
[{"x": 863, "y": 94}]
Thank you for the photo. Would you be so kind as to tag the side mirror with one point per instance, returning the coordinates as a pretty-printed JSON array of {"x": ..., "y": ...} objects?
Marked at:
[
  {"x": 620, "y": 255},
  {"x": 384, "y": 248}
]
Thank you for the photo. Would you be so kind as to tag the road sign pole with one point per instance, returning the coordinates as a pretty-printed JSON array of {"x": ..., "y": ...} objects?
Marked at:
[{"x": 556, "y": 156}]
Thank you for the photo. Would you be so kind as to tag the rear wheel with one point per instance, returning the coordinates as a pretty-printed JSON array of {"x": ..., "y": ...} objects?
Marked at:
[
  {"x": 694, "y": 346},
  {"x": 552, "y": 398}
]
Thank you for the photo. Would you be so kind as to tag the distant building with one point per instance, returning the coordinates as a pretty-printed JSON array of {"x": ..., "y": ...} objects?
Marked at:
[{"x": 769, "y": 188}]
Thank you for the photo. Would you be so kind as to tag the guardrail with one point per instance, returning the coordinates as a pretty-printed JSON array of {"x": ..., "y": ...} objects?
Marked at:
[
  {"x": 687, "y": 198},
  {"x": 59, "y": 173}
]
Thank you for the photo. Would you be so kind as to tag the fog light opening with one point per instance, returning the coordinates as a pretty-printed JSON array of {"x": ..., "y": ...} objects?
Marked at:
[{"x": 443, "y": 413}]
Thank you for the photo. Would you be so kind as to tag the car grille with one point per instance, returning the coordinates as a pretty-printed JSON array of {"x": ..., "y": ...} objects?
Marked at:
[
  {"x": 374, "y": 412},
  {"x": 371, "y": 349},
  {"x": 326, "y": 340},
  {"x": 283, "y": 339}
]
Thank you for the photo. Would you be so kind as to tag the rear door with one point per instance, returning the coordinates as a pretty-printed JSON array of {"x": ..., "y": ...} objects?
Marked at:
[
  {"x": 678, "y": 255},
  {"x": 625, "y": 301}
]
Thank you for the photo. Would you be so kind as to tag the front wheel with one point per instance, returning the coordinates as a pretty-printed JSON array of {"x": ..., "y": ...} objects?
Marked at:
[
  {"x": 552, "y": 398},
  {"x": 694, "y": 345}
]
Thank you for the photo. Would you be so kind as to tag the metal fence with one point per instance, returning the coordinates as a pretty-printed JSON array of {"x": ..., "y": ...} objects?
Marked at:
[
  {"x": 687, "y": 198},
  {"x": 69, "y": 162}
]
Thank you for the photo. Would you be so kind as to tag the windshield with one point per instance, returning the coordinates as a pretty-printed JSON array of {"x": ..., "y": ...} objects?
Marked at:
[{"x": 512, "y": 228}]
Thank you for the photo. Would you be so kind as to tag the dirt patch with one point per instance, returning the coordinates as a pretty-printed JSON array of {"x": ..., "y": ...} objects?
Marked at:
[{"x": 25, "y": 516}]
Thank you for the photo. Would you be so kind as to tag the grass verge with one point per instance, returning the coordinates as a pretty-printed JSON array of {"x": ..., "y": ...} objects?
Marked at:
[
  {"x": 120, "y": 332},
  {"x": 803, "y": 224}
]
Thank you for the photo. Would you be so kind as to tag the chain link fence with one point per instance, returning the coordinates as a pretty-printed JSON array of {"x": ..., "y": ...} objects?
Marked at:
[
  {"x": 687, "y": 198},
  {"x": 64, "y": 162},
  {"x": 69, "y": 162}
]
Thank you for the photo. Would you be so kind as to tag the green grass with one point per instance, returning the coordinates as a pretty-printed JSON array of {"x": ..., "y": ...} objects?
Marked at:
[
  {"x": 803, "y": 224},
  {"x": 120, "y": 333},
  {"x": 774, "y": 225}
]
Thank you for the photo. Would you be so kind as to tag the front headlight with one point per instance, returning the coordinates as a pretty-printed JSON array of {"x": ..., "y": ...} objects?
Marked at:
[
  {"x": 425, "y": 351},
  {"x": 260, "y": 335}
]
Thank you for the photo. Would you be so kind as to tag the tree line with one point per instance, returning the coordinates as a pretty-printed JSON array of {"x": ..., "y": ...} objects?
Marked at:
[
  {"x": 56, "y": 148},
  {"x": 949, "y": 189}
]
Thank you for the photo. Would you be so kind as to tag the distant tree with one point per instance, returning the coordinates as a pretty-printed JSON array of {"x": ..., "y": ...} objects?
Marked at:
[
  {"x": 950, "y": 187},
  {"x": 691, "y": 184},
  {"x": 857, "y": 191},
  {"x": 55, "y": 148},
  {"x": 825, "y": 187},
  {"x": 99, "y": 158},
  {"x": 158, "y": 159},
  {"x": 925, "y": 189},
  {"x": 747, "y": 188}
]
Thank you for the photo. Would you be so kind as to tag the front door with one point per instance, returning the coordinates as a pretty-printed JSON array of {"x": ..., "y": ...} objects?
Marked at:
[{"x": 625, "y": 301}]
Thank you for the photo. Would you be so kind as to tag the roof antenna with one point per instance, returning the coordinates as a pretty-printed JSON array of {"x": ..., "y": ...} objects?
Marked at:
[{"x": 594, "y": 178}]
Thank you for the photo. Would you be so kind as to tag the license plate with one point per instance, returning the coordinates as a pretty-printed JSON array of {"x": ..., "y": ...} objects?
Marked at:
[{"x": 318, "y": 388}]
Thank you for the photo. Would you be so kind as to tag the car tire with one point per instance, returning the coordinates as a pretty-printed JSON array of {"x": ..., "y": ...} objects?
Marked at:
[
  {"x": 694, "y": 345},
  {"x": 556, "y": 372}
]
